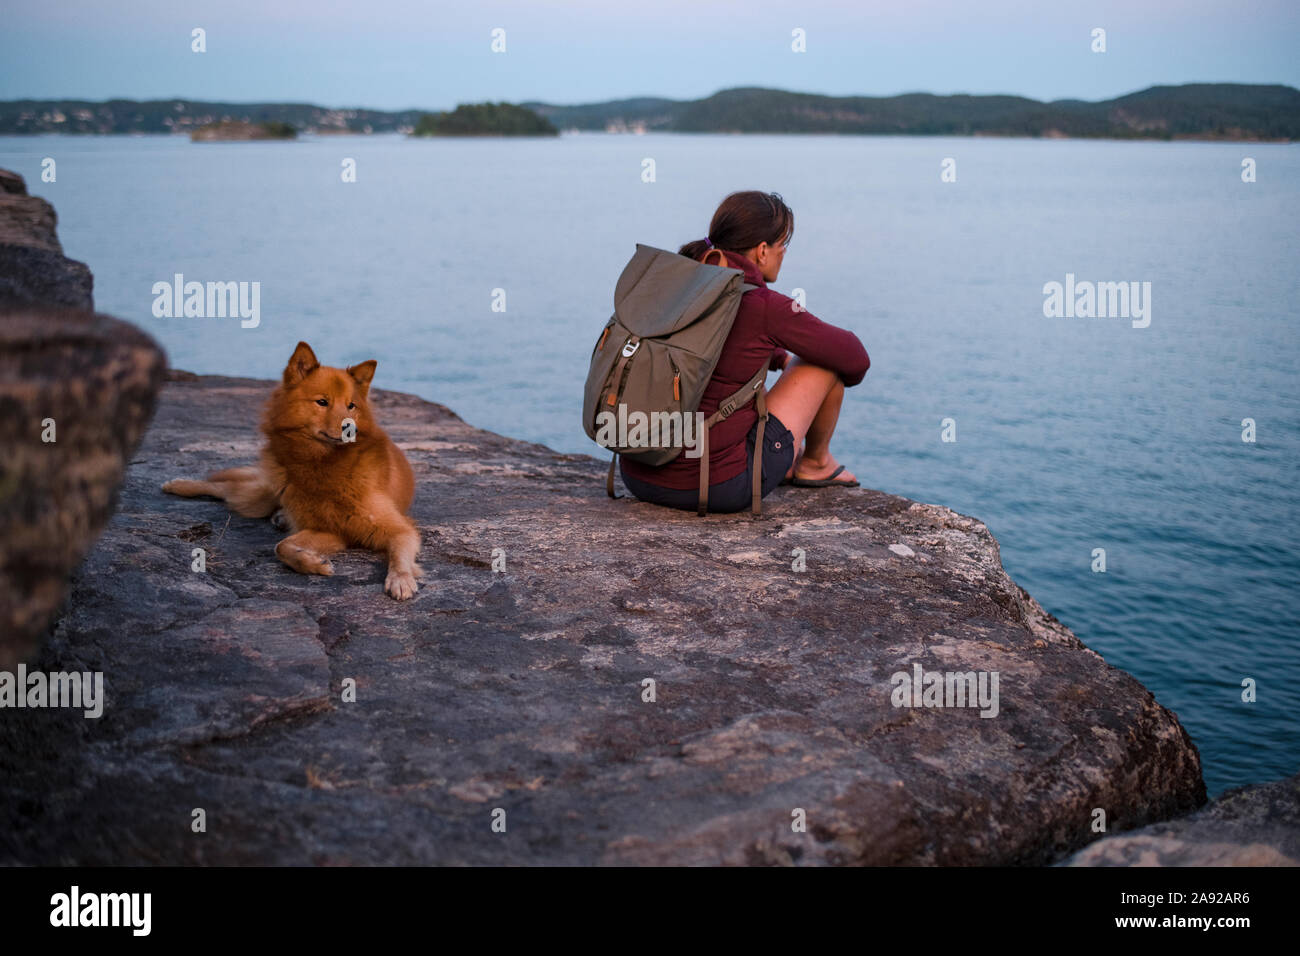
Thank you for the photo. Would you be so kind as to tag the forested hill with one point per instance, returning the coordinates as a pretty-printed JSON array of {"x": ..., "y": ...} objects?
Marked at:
[
  {"x": 1229, "y": 111},
  {"x": 1198, "y": 110}
]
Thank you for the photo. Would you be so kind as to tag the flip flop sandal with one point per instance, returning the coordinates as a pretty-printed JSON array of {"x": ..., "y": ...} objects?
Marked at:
[{"x": 827, "y": 482}]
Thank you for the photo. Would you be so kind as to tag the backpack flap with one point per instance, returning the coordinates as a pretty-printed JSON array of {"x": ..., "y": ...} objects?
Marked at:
[{"x": 660, "y": 293}]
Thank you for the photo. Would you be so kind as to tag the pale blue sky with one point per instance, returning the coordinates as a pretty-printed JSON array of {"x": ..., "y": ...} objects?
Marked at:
[{"x": 392, "y": 54}]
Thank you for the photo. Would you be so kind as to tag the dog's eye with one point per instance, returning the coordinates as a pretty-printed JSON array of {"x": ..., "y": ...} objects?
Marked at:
[
  {"x": 351, "y": 405},
  {"x": 323, "y": 402}
]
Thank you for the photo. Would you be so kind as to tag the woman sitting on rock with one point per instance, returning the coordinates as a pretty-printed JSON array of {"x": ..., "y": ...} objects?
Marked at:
[{"x": 751, "y": 231}]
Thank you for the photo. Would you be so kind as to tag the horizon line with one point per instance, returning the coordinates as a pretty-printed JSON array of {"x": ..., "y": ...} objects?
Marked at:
[{"x": 643, "y": 96}]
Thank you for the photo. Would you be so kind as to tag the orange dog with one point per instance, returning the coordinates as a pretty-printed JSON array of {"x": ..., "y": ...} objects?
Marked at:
[{"x": 333, "y": 492}]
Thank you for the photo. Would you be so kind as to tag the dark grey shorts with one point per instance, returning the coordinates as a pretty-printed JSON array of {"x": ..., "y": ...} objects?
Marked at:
[{"x": 734, "y": 494}]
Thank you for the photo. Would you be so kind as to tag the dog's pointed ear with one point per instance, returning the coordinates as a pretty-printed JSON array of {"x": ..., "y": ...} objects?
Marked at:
[
  {"x": 301, "y": 364},
  {"x": 363, "y": 373}
]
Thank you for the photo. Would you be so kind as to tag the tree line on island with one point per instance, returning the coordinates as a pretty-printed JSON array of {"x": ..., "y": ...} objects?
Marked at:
[
  {"x": 485, "y": 119},
  {"x": 475, "y": 119},
  {"x": 1227, "y": 111}
]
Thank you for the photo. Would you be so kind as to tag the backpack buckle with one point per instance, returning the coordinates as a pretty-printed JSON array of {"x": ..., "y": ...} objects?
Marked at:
[
  {"x": 727, "y": 408},
  {"x": 630, "y": 347}
]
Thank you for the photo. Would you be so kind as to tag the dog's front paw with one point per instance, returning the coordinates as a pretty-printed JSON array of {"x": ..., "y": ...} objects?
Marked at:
[{"x": 401, "y": 585}]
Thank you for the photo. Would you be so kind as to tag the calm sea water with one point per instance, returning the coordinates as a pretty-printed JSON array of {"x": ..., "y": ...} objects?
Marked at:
[{"x": 1072, "y": 434}]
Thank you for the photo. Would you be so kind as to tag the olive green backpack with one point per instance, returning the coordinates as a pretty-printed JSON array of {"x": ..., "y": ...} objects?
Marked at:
[{"x": 657, "y": 354}]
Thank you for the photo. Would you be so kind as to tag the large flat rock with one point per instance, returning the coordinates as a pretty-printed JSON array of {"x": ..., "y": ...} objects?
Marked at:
[{"x": 523, "y": 690}]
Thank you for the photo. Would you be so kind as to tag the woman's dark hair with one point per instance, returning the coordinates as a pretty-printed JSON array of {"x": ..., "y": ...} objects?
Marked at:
[{"x": 744, "y": 220}]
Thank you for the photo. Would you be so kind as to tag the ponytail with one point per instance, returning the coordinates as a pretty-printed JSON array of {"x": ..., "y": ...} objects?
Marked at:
[{"x": 742, "y": 221}]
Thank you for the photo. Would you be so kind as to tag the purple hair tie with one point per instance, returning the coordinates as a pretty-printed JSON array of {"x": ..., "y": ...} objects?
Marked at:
[{"x": 708, "y": 242}]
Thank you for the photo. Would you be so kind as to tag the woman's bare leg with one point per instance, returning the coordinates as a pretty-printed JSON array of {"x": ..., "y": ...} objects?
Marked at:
[{"x": 807, "y": 399}]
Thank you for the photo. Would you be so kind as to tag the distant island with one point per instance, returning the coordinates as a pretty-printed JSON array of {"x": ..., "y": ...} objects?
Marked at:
[
  {"x": 239, "y": 130},
  {"x": 1227, "y": 111},
  {"x": 1207, "y": 111},
  {"x": 485, "y": 119}
]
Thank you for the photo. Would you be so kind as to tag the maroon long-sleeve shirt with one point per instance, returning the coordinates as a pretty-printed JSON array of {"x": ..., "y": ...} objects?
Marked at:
[{"x": 767, "y": 326}]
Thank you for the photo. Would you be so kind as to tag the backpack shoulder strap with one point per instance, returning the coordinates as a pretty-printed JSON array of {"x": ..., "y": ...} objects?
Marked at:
[
  {"x": 753, "y": 389},
  {"x": 760, "y": 402}
]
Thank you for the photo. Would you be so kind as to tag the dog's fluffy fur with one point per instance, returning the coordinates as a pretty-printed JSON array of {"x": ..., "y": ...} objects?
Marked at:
[{"x": 329, "y": 493}]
